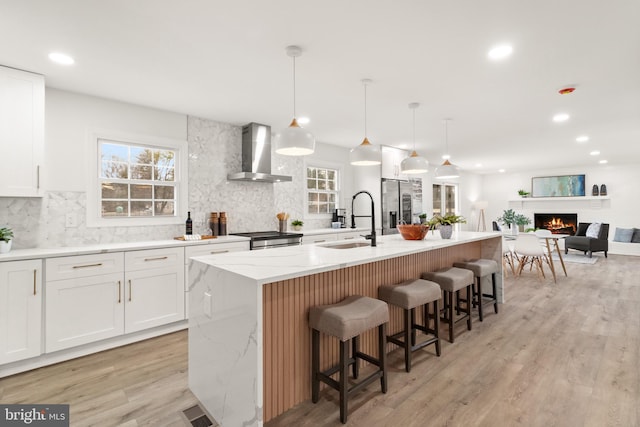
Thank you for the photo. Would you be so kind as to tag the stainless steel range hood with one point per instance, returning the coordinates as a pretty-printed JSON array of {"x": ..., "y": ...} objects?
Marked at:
[{"x": 256, "y": 156}]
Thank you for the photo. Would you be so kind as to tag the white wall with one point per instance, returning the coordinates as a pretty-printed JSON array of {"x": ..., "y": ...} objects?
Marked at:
[{"x": 68, "y": 118}]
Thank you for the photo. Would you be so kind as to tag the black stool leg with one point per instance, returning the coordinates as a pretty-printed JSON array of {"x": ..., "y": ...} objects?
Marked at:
[
  {"x": 408, "y": 338},
  {"x": 355, "y": 347},
  {"x": 450, "y": 316},
  {"x": 382, "y": 355},
  {"x": 436, "y": 326},
  {"x": 315, "y": 365},
  {"x": 469, "y": 304},
  {"x": 480, "y": 313},
  {"x": 413, "y": 327},
  {"x": 344, "y": 372},
  {"x": 495, "y": 293}
]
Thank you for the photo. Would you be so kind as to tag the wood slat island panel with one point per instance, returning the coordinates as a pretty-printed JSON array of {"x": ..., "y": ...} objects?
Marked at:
[{"x": 286, "y": 333}]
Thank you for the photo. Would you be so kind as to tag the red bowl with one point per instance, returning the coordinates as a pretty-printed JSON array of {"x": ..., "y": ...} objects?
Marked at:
[{"x": 413, "y": 231}]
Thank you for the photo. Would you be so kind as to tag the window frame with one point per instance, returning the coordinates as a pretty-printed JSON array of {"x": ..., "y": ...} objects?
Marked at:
[
  {"x": 181, "y": 174},
  {"x": 321, "y": 165}
]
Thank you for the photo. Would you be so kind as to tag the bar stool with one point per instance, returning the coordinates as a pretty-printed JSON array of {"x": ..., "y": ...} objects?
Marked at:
[
  {"x": 453, "y": 279},
  {"x": 481, "y": 268},
  {"x": 346, "y": 320},
  {"x": 408, "y": 295}
]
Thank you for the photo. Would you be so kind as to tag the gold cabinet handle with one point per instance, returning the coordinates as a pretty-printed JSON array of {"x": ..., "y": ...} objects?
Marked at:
[
  {"x": 349, "y": 238},
  {"x": 119, "y": 291},
  {"x": 34, "y": 281},
  {"x": 220, "y": 252},
  {"x": 87, "y": 265},
  {"x": 156, "y": 259},
  {"x": 129, "y": 289},
  {"x": 319, "y": 241}
]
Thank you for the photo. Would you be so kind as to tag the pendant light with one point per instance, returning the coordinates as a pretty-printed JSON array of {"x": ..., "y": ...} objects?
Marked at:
[
  {"x": 414, "y": 163},
  {"x": 447, "y": 170},
  {"x": 294, "y": 140},
  {"x": 365, "y": 154}
]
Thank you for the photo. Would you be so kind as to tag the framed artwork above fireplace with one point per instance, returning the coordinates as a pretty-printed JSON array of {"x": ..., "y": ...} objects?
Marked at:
[{"x": 558, "y": 186}]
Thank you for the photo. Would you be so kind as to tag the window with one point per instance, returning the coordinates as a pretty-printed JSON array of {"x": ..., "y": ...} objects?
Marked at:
[
  {"x": 444, "y": 199},
  {"x": 322, "y": 190},
  {"x": 137, "y": 181}
]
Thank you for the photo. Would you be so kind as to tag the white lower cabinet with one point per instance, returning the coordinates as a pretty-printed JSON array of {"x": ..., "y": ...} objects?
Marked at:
[
  {"x": 141, "y": 290},
  {"x": 154, "y": 288},
  {"x": 352, "y": 235},
  {"x": 20, "y": 310},
  {"x": 83, "y": 310}
]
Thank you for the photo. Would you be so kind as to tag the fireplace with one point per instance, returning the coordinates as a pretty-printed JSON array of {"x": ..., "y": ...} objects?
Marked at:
[{"x": 557, "y": 223}]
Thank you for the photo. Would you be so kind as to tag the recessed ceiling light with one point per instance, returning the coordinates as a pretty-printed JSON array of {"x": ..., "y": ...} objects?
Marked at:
[
  {"x": 561, "y": 117},
  {"x": 478, "y": 165},
  {"x": 446, "y": 156},
  {"x": 602, "y": 162},
  {"x": 303, "y": 120},
  {"x": 61, "y": 58},
  {"x": 583, "y": 138},
  {"x": 500, "y": 52},
  {"x": 595, "y": 153},
  {"x": 501, "y": 170}
]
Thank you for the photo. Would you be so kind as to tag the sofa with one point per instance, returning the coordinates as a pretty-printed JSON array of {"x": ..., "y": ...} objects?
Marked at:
[{"x": 580, "y": 241}]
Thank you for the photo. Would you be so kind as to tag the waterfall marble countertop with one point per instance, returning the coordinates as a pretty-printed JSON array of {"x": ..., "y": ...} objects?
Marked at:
[
  {"x": 295, "y": 261},
  {"x": 36, "y": 253}
]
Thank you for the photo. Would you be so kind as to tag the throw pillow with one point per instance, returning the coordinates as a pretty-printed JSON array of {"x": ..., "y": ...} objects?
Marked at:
[
  {"x": 623, "y": 235},
  {"x": 593, "y": 230},
  {"x": 636, "y": 236}
]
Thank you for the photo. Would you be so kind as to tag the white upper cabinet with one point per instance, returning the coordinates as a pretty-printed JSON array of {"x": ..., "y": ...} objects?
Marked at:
[
  {"x": 391, "y": 160},
  {"x": 21, "y": 133}
]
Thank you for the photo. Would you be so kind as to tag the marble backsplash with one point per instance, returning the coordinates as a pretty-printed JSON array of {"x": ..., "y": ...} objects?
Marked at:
[{"x": 214, "y": 151}]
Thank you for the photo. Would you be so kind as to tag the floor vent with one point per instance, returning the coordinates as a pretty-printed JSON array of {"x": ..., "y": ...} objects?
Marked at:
[{"x": 197, "y": 417}]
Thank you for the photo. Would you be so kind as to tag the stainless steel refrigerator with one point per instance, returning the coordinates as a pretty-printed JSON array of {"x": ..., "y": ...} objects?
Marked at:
[{"x": 401, "y": 203}]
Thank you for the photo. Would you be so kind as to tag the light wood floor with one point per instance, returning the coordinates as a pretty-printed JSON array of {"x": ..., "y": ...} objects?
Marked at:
[{"x": 565, "y": 354}]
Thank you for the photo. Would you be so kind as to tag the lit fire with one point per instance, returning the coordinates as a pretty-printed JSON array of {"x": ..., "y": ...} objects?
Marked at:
[{"x": 557, "y": 224}]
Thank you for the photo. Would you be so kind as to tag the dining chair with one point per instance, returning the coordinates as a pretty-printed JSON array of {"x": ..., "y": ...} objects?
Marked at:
[{"x": 529, "y": 251}]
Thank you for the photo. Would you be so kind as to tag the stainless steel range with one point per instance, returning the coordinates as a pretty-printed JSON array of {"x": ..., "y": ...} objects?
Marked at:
[{"x": 271, "y": 239}]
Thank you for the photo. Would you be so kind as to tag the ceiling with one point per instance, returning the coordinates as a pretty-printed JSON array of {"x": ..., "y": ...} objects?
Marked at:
[{"x": 225, "y": 60}]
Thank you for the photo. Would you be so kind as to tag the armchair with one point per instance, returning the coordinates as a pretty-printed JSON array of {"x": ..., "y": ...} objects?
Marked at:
[{"x": 588, "y": 244}]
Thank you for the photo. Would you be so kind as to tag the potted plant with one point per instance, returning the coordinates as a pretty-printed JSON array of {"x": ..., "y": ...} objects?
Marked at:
[
  {"x": 297, "y": 224},
  {"x": 523, "y": 193},
  {"x": 508, "y": 219},
  {"x": 445, "y": 224},
  {"x": 521, "y": 221},
  {"x": 423, "y": 218},
  {"x": 6, "y": 237}
]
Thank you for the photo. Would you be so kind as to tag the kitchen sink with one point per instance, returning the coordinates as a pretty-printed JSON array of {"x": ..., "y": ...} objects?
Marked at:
[{"x": 349, "y": 245}]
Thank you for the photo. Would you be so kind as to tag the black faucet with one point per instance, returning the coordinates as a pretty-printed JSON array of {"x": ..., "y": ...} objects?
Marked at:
[{"x": 371, "y": 236}]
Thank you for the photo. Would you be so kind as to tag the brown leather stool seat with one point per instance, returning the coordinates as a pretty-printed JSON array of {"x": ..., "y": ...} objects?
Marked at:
[
  {"x": 480, "y": 269},
  {"x": 452, "y": 280},
  {"x": 346, "y": 320},
  {"x": 408, "y": 295}
]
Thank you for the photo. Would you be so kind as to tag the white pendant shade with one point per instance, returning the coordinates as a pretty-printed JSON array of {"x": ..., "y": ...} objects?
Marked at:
[
  {"x": 447, "y": 171},
  {"x": 365, "y": 154},
  {"x": 294, "y": 141},
  {"x": 414, "y": 164}
]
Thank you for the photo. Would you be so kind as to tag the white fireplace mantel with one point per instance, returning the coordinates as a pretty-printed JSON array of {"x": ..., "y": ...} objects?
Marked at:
[{"x": 594, "y": 202}]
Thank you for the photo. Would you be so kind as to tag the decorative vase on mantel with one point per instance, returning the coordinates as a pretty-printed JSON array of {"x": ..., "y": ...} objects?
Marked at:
[
  {"x": 594, "y": 190},
  {"x": 446, "y": 230}
]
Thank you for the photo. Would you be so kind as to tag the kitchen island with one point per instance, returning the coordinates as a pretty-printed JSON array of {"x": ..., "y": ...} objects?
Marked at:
[{"x": 249, "y": 340}]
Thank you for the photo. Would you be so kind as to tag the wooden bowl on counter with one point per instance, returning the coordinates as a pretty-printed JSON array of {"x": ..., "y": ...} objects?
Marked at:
[{"x": 413, "y": 231}]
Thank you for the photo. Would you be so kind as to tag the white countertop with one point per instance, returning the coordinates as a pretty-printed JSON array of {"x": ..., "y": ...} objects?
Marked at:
[
  {"x": 35, "y": 253},
  {"x": 294, "y": 261}
]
